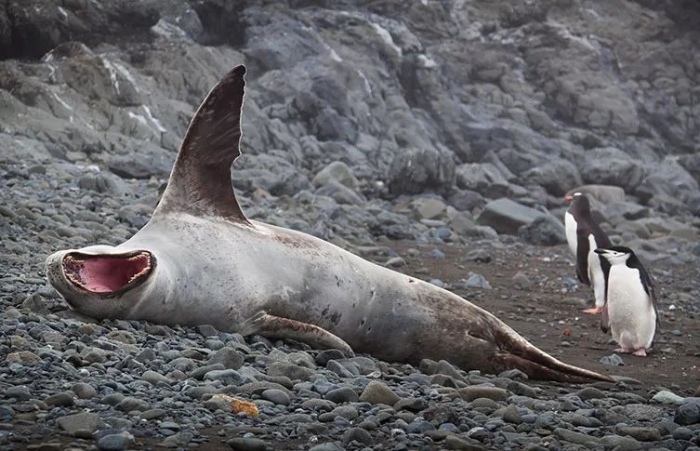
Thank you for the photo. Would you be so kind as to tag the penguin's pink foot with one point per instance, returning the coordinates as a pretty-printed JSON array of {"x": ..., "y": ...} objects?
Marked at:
[
  {"x": 594, "y": 311},
  {"x": 640, "y": 352},
  {"x": 622, "y": 350}
]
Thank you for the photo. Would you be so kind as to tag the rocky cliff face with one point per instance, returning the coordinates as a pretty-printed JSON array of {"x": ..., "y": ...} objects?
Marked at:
[
  {"x": 449, "y": 122},
  {"x": 470, "y": 101}
]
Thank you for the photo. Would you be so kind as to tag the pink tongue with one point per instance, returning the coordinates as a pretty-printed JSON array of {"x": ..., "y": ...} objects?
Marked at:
[{"x": 104, "y": 275}]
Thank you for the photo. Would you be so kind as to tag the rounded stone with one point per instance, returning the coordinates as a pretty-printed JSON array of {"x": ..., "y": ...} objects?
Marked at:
[{"x": 276, "y": 396}]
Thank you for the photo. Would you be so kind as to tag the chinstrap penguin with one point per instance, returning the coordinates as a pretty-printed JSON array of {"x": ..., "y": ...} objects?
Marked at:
[
  {"x": 584, "y": 235},
  {"x": 630, "y": 313}
]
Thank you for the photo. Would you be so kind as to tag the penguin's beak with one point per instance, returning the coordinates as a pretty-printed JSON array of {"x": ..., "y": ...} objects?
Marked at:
[
  {"x": 600, "y": 251},
  {"x": 569, "y": 198}
]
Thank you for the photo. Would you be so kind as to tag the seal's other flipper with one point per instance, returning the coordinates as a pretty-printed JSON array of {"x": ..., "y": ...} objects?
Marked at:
[
  {"x": 200, "y": 183},
  {"x": 276, "y": 327}
]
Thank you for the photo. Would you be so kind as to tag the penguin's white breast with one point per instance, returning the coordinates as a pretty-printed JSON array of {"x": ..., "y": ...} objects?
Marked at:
[
  {"x": 626, "y": 296},
  {"x": 570, "y": 225}
]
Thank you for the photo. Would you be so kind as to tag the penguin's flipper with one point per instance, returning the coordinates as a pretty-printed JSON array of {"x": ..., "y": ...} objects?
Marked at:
[
  {"x": 605, "y": 319},
  {"x": 582, "y": 251},
  {"x": 651, "y": 292}
]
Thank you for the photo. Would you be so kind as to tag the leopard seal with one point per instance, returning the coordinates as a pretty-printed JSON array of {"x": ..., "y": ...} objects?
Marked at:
[{"x": 200, "y": 260}]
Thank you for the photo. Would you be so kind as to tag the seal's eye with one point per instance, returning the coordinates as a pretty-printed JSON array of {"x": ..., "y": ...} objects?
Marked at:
[{"x": 107, "y": 273}]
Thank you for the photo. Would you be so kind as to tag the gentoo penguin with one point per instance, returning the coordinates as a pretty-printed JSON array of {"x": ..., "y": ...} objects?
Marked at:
[
  {"x": 584, "y": 235},
  {"x": 630, "y": 312}
]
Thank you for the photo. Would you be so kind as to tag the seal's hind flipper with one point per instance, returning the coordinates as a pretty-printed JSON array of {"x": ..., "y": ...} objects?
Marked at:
[
  {"x": 200, "y": 183},
  {"x": 513, "y": 351},
  {"x": 277, "y": 327}
]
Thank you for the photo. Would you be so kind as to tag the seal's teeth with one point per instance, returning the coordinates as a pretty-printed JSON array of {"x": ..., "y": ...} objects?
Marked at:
[{"x": 139, "y": 274}]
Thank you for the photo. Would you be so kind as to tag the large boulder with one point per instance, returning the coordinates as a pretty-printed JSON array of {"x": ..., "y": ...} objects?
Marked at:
[
  {"x": 557, "y": 176},
  {"x": 668, "y": 183},
  {"x": 691, "y": 163},
  {"x": 544, "y": 230},
  {"x": 31, "y": 28},
  {"x": 612, "y": 166},
  {"x": 484, "y": 178},
  {"x": 605, "y": 194},
  {"x": 415, "y": 171},
  {"x": 507, "y": 216}
]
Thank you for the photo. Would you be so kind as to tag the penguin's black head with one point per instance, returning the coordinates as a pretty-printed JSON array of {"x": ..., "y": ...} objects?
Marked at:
[
  {"x": 579, "y": 203},
  {"x": 615, "y": 254}
]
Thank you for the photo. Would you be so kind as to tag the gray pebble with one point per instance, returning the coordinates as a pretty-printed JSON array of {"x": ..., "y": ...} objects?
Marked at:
[
  {"x": 437, "y": 253},
  {"x": 474, "y": 392},
  {"x": 342, "y": 395},
  {"x": 63, "y": 399},
  {"x": 200, "y": 372},
  {"x": 683, "y": 433},
  {"x": 475, "y": 280},
  {"x": 276, "y": 396},
  {"x": 327, "y": 355},
  {"x": 377, "y": 392},
  {"x": 246, "y": 444},
  {"x": 19, "y": 392},
  {"x": 112, "y": 399},
  {"x": 131, "y": 403},
  {"x": 613, "y": 360},
  {"x": 84, "y": 391},
  {"x": 115, "y": 442},
  {"x": 419, "y": 426},
  {"x": 227, "y": 377},
  {"x": 512, "y": 415},
  {"x": 347, "y": 412},
  {"x": 293, "y": 372},
  {"x": 155, "y": 378},
  {"x": 153, "y": 414},
  {"x": 329, "y": 446},
  {"x": 357, "y": 434},
  {"x": 688, "y": 413},
  {"x": 667, "y": 397},
  {"x": 395, "y": 262},
  {"x": 318, "y": 404},
  {"x": 620, "y": 443},
  {"x": 79, "y": 422},
  {"x": 228, "y": 357},
  {"x": 339, "y": 369},
  {"x": 643, "y": 434}
]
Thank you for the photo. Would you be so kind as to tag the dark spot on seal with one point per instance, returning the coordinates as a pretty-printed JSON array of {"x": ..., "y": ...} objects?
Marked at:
[
  {"x": 335, "y": 318},
  {"x": 296, "y": 242}
]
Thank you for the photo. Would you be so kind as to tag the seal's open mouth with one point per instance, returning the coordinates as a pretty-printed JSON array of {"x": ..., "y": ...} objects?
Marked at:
[{"x": 107, "y": 273}]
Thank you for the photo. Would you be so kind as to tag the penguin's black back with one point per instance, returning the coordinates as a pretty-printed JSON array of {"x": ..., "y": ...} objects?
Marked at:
[{"x": 580, "y": 208}]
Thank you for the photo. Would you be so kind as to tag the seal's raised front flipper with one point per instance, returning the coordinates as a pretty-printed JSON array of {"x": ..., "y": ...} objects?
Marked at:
[
  {"x": 200, "y": 182},
  {"x": 317, "y": 337}
]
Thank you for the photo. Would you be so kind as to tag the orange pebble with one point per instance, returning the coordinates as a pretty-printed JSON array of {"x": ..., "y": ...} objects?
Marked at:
[{"x": 238, "y": 405}]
